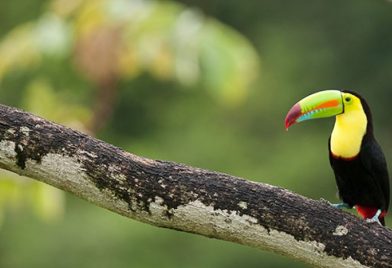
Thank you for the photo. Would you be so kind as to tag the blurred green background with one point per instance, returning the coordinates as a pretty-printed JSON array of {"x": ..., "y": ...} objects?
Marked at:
[{"x": 206, "y": 83}]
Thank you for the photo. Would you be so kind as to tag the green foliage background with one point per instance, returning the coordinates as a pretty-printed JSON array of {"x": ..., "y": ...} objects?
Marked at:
[{"x": 302, "y": 46}]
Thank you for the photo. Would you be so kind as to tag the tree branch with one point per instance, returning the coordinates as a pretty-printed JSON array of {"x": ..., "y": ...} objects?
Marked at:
[{"x": 189, "y": 199}]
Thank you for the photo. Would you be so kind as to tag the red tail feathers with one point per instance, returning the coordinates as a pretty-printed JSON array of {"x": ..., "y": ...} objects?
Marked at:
[{"x": 368, "y": 213}]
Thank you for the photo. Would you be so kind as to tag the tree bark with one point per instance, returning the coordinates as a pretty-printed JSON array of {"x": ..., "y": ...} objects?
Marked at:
[{"x": 180, "y": 197}]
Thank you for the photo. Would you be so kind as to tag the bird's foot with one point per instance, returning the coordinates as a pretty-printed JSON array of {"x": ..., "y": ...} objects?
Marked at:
[
  {"x": 341, "y": 205},
  {"x": 375, "y": 218}
]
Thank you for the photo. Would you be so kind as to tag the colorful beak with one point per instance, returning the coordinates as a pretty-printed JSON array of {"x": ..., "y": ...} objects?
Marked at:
[{"x": 322, "y": 104}]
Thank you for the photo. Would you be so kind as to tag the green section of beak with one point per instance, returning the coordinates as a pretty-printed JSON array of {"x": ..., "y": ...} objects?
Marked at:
[{"x": 322, "y": 104}]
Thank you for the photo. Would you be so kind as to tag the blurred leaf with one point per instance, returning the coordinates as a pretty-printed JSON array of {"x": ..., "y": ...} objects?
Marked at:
[
  {"x": 42, "y": 99},
  {"x": 52, "y": 35},
  {"x": 119, "y": 39},
  {"x": 48, "y": 202},
  {"x": 18, "y": 192},
  {"x": 229, "y": 61},
  {"x": 18, "y": 50}
]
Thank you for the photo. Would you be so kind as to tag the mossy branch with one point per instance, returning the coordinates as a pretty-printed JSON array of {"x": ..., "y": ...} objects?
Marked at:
[{"x": 189, "y": 199}]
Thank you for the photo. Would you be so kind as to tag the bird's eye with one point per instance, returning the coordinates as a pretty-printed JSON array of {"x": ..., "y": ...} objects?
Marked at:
[{"x": 347, "y": 99}]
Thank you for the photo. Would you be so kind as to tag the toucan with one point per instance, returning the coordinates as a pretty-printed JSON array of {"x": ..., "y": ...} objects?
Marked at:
[{"x": 356, "y": 158}]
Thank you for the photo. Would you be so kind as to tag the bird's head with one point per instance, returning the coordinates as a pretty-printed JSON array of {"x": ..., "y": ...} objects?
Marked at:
[{"x": 322, "y": 104}]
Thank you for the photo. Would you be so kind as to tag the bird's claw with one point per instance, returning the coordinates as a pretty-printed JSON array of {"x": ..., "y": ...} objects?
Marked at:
[
  {"x": 375, "y": 218},
  {"x": 341, "y": 205}
]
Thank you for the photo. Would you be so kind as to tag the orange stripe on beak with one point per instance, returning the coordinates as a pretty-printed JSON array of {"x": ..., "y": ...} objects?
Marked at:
[{"x": 328, "y": 104}]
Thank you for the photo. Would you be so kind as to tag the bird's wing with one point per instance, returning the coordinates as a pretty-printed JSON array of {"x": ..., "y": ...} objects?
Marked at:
[{"x": 373, "y": 160}]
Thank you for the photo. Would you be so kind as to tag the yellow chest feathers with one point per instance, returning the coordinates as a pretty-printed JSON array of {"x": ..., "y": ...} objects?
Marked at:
[{"x": 348, "y": 132}]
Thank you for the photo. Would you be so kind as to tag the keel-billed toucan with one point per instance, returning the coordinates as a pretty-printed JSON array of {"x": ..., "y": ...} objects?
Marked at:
[{"x": 356, "y": 158}]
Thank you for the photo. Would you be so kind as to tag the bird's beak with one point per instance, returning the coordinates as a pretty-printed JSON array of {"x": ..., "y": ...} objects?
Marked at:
[{"x": 321, "y": 104}]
